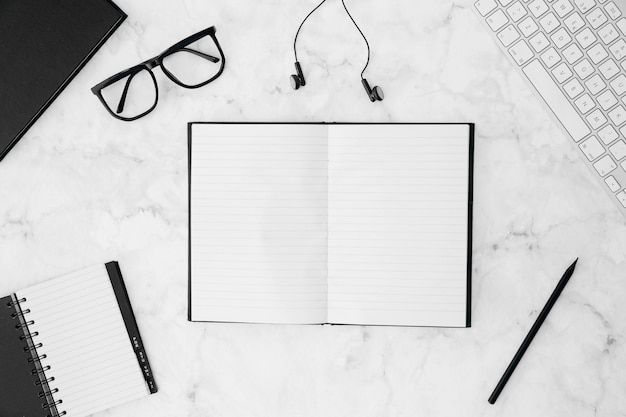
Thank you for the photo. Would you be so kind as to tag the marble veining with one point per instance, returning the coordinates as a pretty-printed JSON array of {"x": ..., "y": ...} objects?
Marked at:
[{"x": 82, "y": 188}]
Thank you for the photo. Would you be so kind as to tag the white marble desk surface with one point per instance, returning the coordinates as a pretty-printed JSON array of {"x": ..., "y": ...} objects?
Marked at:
[{"x": 83, "y": 188}]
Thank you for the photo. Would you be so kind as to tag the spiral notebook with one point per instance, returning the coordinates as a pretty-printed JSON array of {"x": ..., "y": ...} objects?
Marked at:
[
  {"x": 71, "y": 347},
  {"x": 331, "y": 223}
]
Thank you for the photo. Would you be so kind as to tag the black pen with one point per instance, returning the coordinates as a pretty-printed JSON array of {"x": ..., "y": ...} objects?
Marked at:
[{"x": 533, "y": 331}]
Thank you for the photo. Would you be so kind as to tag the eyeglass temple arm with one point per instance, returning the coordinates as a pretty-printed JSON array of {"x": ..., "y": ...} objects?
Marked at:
[
  {"x": 201, "y": 54},
  {"x": 120, "y": 106}
]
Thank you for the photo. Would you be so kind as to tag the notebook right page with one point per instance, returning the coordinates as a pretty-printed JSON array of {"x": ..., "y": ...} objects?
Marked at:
[{"x": 399, "y": 224}]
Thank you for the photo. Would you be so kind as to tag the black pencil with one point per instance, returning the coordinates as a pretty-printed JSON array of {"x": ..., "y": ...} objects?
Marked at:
[{"x": 531, "y": 334}]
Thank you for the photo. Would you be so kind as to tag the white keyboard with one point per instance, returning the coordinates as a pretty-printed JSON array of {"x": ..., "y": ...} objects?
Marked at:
[{"x": 573, "y": 52}]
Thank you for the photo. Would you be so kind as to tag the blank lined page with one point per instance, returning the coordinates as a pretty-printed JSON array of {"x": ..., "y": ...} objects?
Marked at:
[
  {"x": 398, "y": 224},
  {"x": 259, "y": 213},
  {"x": 79, "y": 324}
]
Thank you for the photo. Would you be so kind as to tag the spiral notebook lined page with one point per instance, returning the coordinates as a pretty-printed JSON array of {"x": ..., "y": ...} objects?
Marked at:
[
  {"x": 78, "y": 322},
  {"x": 398, "y": 224},
  {"x": 258, "y": 217}
]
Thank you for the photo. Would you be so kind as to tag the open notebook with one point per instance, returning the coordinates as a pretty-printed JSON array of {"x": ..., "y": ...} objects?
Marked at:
[
  {"x": 70, "y": 347},
  {"x": 330, "y": 223}
]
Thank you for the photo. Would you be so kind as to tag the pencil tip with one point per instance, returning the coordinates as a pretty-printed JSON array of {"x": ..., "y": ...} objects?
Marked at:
[{"x": 574, "y": 264}]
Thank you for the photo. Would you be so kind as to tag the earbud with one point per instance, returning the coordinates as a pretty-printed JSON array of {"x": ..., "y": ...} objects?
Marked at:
[
  {"x": 297, "y": 80},
  {"x": 375, "y": 94}
]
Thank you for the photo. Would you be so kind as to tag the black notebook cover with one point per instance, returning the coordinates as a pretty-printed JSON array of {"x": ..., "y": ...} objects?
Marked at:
[
  {"x": 43, "y": 45},
  {"x": 19, "y": 396}
]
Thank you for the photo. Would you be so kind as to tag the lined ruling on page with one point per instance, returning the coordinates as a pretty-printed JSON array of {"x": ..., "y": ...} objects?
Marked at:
[
  {"x": 398, "y": 224},
  {"x": 259, "y": 218},
  {"x": 83, "y": 335}
]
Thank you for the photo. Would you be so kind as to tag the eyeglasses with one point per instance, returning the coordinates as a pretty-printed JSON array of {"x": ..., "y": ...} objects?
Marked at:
[{"x": 190, "y": 63}]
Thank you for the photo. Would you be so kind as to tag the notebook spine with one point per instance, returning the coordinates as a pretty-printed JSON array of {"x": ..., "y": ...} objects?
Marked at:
[{"x": 39, "y": 372}]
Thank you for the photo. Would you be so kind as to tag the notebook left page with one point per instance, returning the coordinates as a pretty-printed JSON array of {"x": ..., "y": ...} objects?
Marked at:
[
  {"x": 258, "y": 223},
  {"x": 77, "y": 320}
]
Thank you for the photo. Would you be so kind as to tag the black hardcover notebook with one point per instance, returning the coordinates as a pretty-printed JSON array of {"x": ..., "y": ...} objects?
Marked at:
[
  {"x": 340, "y": 223},
  {"x": 43, "y": 45},
  {"x": 71, "y": 347}
]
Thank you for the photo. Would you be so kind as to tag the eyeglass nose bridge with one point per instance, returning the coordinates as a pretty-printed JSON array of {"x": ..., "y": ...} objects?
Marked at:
[{"x": 151, "y": 63}]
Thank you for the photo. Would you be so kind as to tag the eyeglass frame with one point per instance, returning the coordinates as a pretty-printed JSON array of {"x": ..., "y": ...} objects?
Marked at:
[{"x": 157, "y": 61}]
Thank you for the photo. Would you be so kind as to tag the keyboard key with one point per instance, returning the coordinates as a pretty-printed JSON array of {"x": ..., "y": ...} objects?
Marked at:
[
  {"x": 584, "y": 69},
  {"x": 538, "y": 7},
  {"x": 608, "y": 33},
  {"x": 562, "y": 72},
  {"x": 574, "y": 22},
  {"x": 612, "y": 183},
  {"x": 505, "y": 2},
  {"x": 585, "y": 103},
  {"x": 550, "y": 57},
  {"x": 618, "y": 49},
  {"x": 508, "y": 35},
  {"x": 520, "y": 52},
  {"x": 528, "y": 26},
  {"x": 573, "y": 88},
  {"x": 572, "y": 53},
  {"x": 561, "y": 38},
  {"x": 549, "y": 22},
  {"x": 607, "y": 100},
  {"x": 596, "y": 18},
  {"x": 618, "y": 150},
  {"x": 563, "y": 7},
  {"x": 592, "y": 148},
  {"x": 604, "y": 165},
  {"x": 612, "y": 10},
  {"x": 556, "y": 100},
  {"x": 539, "y": 42},
  {"x": 621, "y": 24},
  {"x": 621, "y": 197},
  {"x": 618, "y": 115},
  {"x": 607, "y": 134},
  {"x": 485, "y": 6},
  {"x": 619, "y": 84},
  {"x": 595, "y": 84},
  {"x": 597, "y": 53},
  {"x": 584, "y": 5},
  {"x": 608, "y": 69},
  {"x": 497, "y": 20},
  {"x": 516, "y": 11},
  {"x": 586, "y": 38},
  {"x": 596, "y": 119}
]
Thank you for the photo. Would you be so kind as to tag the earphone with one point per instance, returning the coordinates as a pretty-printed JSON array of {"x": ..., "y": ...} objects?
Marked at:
[{"x": 297, "y": 80}]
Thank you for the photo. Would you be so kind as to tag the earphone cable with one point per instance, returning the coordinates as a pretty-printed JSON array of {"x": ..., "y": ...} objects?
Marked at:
[
  {"x": 361, "y": 32},
  {"x": 307, "y": 16}
]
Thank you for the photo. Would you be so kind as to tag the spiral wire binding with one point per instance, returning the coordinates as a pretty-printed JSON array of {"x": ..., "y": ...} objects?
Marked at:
[{"x": 39, "y": 370}]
